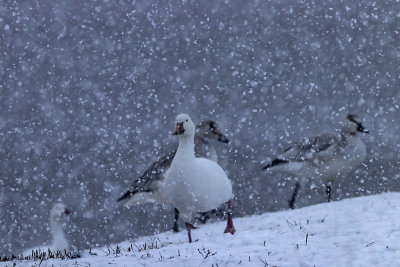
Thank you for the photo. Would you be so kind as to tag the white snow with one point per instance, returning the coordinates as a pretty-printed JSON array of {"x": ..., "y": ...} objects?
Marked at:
[{"x": 363, "y": 231}]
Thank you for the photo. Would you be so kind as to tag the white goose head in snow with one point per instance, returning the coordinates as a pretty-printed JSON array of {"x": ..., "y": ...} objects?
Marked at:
[
  {"x": 353, "y": 124},
  {"x": 58, "y": 212},
  {"x": 184, "y": 126}
]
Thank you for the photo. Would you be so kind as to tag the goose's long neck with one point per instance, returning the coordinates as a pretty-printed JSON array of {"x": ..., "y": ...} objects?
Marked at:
[
  {"x": 204, "y": 149},
  {"x": 185, "y": 148},
  {"x": 59, "y": 240},
  {"x": 346, "y": 136}
]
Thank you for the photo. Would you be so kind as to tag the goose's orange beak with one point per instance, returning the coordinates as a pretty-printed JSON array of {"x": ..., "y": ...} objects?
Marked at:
[
  {"x": 67, "y": 211},
  {"x": 179, "y": 128}
]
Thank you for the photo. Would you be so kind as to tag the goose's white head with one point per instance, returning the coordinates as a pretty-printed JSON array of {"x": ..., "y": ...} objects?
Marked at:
[
  {"x": 353, "y": 124},
  {"x": 184, "y": 125},
  {"x": 58, "y": 211}
]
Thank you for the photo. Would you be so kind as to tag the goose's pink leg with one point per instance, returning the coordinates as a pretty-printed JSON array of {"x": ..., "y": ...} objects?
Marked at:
[
  {"x": 189, "y": 227},
  {"x": 229, "y": 225}
]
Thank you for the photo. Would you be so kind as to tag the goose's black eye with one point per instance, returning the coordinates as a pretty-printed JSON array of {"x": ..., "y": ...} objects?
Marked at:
[{"x": 186, "y": 120}]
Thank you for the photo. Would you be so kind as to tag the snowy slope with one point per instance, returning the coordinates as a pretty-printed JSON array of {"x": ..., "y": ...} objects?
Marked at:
[{"x": 363, "y": 231}]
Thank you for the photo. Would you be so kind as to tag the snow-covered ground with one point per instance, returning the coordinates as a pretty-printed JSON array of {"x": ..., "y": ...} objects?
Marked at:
[{"x": 363, "y": 231}]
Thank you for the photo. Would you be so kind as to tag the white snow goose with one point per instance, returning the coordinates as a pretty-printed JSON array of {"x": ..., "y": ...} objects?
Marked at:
[
  {"x": 60, "y": 242},
  {"x": 147, "y": 188},
  {"x": 325, "y": 158},
  {"x": 195, "y": 184}
]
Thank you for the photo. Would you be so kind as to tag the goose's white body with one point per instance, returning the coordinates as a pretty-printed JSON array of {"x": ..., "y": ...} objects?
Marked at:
[
  {"x": 194, "y": 184},
  {"x": 325, "y": 158},
  {"x": 148, "y": 188},
  {"x": 60, "y": 242},
  {"x": 342, "y": 155}
]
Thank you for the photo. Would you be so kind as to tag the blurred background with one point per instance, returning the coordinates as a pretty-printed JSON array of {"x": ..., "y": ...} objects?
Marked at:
[{"x": 90, "y": 89}]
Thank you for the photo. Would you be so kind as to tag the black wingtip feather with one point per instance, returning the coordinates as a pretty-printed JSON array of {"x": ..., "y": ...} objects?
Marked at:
[
  {"x": 275, "y": 162},
  {"x": 125, "y": 196}
]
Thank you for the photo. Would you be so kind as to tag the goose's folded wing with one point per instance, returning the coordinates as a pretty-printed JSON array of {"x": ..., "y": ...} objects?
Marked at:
[
  {"x": 152, "y": 176},
  {"x": 309, "y": 147}
]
